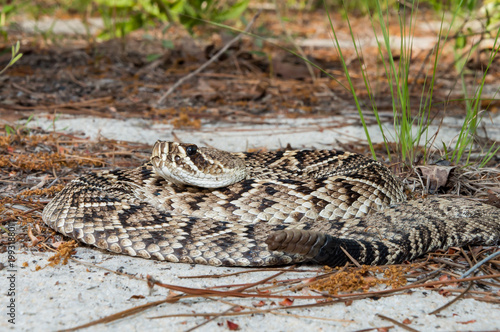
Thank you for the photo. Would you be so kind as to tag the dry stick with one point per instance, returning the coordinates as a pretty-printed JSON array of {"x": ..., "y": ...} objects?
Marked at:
[
  {"x": 454, "y": 300},
  {"x": 273, "y": 310},
  {"x": 355, "y": 262},
  {"x": 208, "y": 292},
  {"x": 475, "y": 267},
  {"x": 206, "y": 64},
  {"x": 260, "y": 282},
  {"x": 467, "y": 257},
  {"x": 224, "y": 275},
  {"x": 260, "y": 311},
  {"x": 381, "y": 328},
  {"x": 428, "y": 276},
  {"x": 287, "y": 314},
  {"x": 121, "y": 314},
  {"x": 19, "y": 214},
  {"x": 401, "y": 325},
  {"x": 450, "y": 263},
  {"x": 193, "y": 292},
  {"x": 210, "y": 319}
]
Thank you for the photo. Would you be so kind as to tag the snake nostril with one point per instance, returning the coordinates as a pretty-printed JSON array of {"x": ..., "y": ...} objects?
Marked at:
[{"x": 177, "y": 159}]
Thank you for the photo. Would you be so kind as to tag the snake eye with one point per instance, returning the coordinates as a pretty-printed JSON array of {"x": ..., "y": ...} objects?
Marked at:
[
  {"x": 191, "y": 150},
  {"x": 177, "y": 159}
]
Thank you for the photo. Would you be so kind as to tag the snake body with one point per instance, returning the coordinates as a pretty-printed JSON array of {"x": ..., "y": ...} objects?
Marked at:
[{"x": 200, "y": 205}]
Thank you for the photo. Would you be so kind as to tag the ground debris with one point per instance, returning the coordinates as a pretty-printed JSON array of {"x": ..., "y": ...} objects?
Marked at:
[{"x": 348, "y": 280}]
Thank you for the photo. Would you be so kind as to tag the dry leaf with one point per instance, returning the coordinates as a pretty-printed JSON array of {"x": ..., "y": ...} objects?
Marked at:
[
  {"x": 286, "y": 302},
  {"x": 434, "y": 176},
  {"x": 232, "y": 326},
  {"x": 444, "y": 278},
  {"x": 384, "y": 329},
  {"x": 259, "y": 304}
]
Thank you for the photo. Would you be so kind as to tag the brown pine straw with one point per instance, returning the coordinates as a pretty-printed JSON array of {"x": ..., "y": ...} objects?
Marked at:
[
  {"x": 452, "y": 301},
  {"x": 401, "y": 325},
  {"x": 188, "y": 292},
  {"x": 250, "y": 290}
]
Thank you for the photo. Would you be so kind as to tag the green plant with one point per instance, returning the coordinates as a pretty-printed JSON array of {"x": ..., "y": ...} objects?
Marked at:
[
  {"x": 473, "y": 112},
  {"x": 15, "y": 55},
  {"x": 5, "y": 12},
  {"x": 194, "y": 12},
  {"x": 397, "y": 74},
  {"x": 18, "y": 128},
  {"x": 124, "y": 16}
]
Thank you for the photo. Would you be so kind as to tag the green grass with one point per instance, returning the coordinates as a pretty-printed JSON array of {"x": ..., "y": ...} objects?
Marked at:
[
  {"x": 15, "y": 55},
  {"x": 410, "y": 144},
  {"x": 123, "y": 16}
]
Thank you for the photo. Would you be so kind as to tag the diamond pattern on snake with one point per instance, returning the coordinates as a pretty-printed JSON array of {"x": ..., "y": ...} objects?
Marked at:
[{"x": 203, "y": 205}]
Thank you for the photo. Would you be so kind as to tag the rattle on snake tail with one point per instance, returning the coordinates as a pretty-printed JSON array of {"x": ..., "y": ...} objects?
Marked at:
[{"x": 202, "y": 205}]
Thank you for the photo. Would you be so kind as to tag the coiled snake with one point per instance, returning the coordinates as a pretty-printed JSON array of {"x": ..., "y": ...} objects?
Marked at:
[{"x": 201, "y": 205}]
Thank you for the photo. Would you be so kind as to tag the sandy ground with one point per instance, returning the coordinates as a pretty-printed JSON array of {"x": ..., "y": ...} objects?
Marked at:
[
  {"x": 66, "y": 296},
  {"x": 275, "y": 133},
  {"x": 70, "y": 295}
]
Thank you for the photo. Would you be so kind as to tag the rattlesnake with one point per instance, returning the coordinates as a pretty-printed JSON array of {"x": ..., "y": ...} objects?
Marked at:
[{"x": 283, "y": 207}]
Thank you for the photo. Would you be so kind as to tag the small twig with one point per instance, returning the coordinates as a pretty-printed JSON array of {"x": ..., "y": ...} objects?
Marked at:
[
  {"x": 467, "y": 257},
  {"x": 206, "y": 64},
  {"x": 380, "y": 328},
  {"x": 355, "y": 262},
  {"x": 447, "y": 262},
  {"x": 232, "y": 274},
  {"x": 121, "y": 314},
  {"x": 475, "y": 267},
  {"x": 286, "y": 313},
  {"x": 401, "y": 325},
  {"x": 428, "y": 276},
  {"x": 260, "y": 282},
  {"x": 211, "y": 319},
  {"x": 454, "y": 300}
]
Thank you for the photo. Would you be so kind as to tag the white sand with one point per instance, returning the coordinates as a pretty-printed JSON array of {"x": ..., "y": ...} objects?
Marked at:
[{"x": 67, "y": 296}]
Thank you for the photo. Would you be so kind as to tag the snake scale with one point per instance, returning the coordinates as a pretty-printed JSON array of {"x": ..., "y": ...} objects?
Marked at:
[{"x": 201, "y": 205}]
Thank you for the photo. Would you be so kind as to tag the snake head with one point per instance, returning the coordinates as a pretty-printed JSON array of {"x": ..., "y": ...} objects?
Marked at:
[{"x": 188, "y": 164}]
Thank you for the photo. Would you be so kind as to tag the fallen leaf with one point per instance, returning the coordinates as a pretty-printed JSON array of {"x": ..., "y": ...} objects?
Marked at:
[
  {"x": 57, "y": 244},
  {"x": 286, "y": 302},
  {"x": 435, "y": 176},
  {"x": 443, "y": 278},
  {"x": 34, "y": 239},
  {"x": 259, "y": 304},
  {"x": 468, "y": 322},
  {"x": 232, "y": 326},
  {"x": 385, "y": 329}
]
